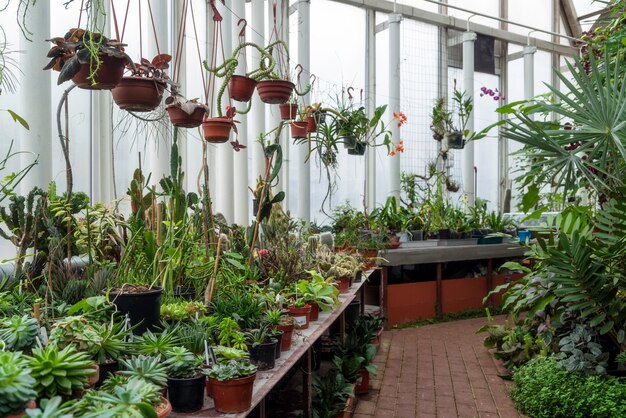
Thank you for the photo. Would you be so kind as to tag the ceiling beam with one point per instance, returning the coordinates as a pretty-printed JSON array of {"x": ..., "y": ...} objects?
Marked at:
[
  {"x": 452, "y": 22},
  {"x": 570, "y": 18}
]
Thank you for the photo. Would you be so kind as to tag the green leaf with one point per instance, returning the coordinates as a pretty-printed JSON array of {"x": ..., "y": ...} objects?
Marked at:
[{"x": 18, "y": 118}]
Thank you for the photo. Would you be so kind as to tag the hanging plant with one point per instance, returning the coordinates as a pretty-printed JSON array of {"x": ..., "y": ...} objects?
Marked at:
[
  {"x": 90, "y": 59},
  {"x": 143, "y": 90}
]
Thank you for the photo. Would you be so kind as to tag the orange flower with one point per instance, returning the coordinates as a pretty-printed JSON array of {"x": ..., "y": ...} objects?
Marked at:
[
  {"x": 401, "y": 118},
  {"x": 400, "y": 146},
  {"x": 391, "y": 153}
]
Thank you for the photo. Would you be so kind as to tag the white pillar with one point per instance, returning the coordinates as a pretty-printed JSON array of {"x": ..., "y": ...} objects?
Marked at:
[
  {"x": 210, "y": 27},
  {"x": 370, "y": 105},
  {"x": 224, "y": 186},
  {"x": 304, "y": 59},
  {"x": 177, "y": 11},
  {"x": 274, "y": 116},
  {"x": 102, "y": 139},
  {"x": 394, "y": 99},
  {"x": 257, "y": 114},
  {"x": 34, "y": 100},
  {"x": 529, "y": 71},
  {"x": 160, "y": 144},
  {"x": 468, "y": 87},
  {"x": 240, "y": 167}
]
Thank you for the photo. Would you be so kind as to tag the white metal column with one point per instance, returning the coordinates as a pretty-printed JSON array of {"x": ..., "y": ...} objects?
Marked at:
[
  {"x": 257, "y": 114},
  {"x": 224, "y": 186},
  {"x": 34, "y": 100},
  {"x": 468, "y": 86},
  {"x": 240, "y": 166},
  {"x": 370, "y": 104},
  {"x": 529, "y": 71},
  {"x": 177, "y": 11},
  {"x": 304, "y": 59},
  {"x": 394, "y": 98},
  {"x": 160, "y": 143}
]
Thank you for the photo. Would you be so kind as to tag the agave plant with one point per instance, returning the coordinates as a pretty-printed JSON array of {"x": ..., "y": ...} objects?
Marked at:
[
  {"x": 59, "y": 371},
  {"x": 151, "y": 344},
  {"x": 18, "y": 333},
  {"x": 151, "y": 369},
  {"x": 16, "y": 383}
]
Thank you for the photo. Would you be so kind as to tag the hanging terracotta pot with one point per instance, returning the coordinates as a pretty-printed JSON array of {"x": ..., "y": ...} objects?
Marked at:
[
  {"x": 107, "y": 76},
  {"x": 241, "y": 88},
  {"x": 311, "y": 124},
  {"x": 217, "y": 130},
  {"x": 182, "y": 119},
  {"x": 288, "y": 111},
  {"x": 299, "y": 129},
  {"x": 138, "y": 94},
  {"x": 275, "y": 91}
]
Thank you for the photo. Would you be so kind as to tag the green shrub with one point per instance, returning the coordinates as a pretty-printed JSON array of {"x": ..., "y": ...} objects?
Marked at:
[{"x": 545, "y": 389}]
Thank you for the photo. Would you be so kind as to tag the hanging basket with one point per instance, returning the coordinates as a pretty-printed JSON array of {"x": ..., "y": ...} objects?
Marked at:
[
  {"x": 241, "y": 88},
  {"x": 217, "y": 130},
  {"x": 275, "y": 91},
  {"x": 138, "y": 94},
  {"x": 454, "y": 140},
  {"x": 299, "y": 129},
  {"x": 311, "y": 123},
  {"x": 349, "y": 142},
  {"x": 107, "y": 76},
  {"x": 359, "y": 148},
  {"x": 288, "y": 111},
  {"x": 182, "y": 119}
]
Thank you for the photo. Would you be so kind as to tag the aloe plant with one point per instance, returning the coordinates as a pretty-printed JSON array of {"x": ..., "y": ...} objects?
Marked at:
[
  {"x": 59, "y": 371},
  {"x": 18, "y": 333},
  {"x": 16, "y": 383}
]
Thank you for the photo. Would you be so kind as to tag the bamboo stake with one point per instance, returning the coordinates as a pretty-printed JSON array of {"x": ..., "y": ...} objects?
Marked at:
[{"x": 208, "y": 293}]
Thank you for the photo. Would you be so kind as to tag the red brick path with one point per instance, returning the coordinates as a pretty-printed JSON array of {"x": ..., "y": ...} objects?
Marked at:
[{"x": 438, "y": 370}]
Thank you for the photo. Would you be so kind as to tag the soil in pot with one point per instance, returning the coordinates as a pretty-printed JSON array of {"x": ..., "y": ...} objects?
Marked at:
[
  {"x": 299, "y": 129},
  {"x": 241, "y": 88},
  {"x": 232, "y": 396},
  {"x": 216, "y": 130},
  {"x": 288, "y": 111},
  {"x": 301, "y": 316},
  {"x": 186, "y": 395},
  {"x": 182, "y": 119},
  {"x": 141, "y": 303},
  {"x": 263, "y": 356},
  {"x": 274, "y": 91},
  {"x": 285, "y": 342},
  {"x": 138, "y": 94},
  {"x": 315, "y": 312},
  {"x": 107, "y": 77}
]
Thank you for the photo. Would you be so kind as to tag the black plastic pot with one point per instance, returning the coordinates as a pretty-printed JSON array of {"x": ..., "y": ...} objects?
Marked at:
[
  {"x": 444, "y": 234},
  {"x": 263, "y": 356},
  {"x": 417, "y": 235},
  {"x": 359, "y": 149},
  {"x": 349, "y": 141},
  {"x": 143, "y": 308},
  {"x": 278, "y": 335},
  {"x": 186, "y": 395},
  {"x": 455, "y": 140},
  {"x": 186, "y": 293},
  {"x": 358, "y": 276},
  {"x": 105, "y": 370}
]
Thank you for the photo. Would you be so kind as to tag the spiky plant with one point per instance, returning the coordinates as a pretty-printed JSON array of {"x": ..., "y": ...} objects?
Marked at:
[
  {"x": 16, "y": 383},
  {"x": 51, "y": 408},
  {"x": 18, "y": 333},
  {"x": 148, "y": 368},
  {"x": 181, "y": 363}
]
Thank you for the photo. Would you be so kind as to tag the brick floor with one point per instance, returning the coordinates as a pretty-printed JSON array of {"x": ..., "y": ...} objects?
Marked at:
[{"x": 438, "y": 370}]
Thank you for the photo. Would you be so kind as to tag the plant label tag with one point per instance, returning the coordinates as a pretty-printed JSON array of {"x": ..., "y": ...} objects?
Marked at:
[
  {"x": 43, "y": 332},
  {"x": 300, "y": 320}
]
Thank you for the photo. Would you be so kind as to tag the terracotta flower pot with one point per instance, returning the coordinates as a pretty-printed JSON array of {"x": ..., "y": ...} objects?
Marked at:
[
  {"x": 93, "y": 378},
  {"x": 299, "y": 129},
  {"x": 209, "y": 388},
  {"x": 107, "y": 77},
  {"x": 364, "y": 385},
  {"x": 311, "y": 124},
  {"x": 315, "y": 312},
  {"x": 285, "y": 343},
  {"x": 301, "y": 316},
  {"x": 182, "y": 119},
  {"x": 216, "y": 130},
  {"x": 274, "y": 91},
  {"x": 344, "y": 284},
  {"x": 241, "y": 88},
  {"x": 138, "y": 94},
  {"x": 232, "y": 396},
  {"x": 347, "y": 411},
  {"x": 288, "y": 111},
  {"x": 163, "y": 409}
]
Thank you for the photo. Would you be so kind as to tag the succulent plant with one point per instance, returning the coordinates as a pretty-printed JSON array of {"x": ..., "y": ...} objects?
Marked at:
[
  {"x": 131, "y": 399},
  {"x": 75, "y": 330},
  {"x": 59, "y": 371},
  {"x": 148, "y": 368},
  {"x": 18, "y": 332},
  {"x": 16, "y": 383},
  {"x": 151, "y": 344},
  {"x": 231, "y": 369},
  {"x": 181, "y": 363},
  {"x": 51, "y": 408}
]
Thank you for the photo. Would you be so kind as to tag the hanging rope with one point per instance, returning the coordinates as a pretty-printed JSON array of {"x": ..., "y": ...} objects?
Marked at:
[{"x": 156, "y": 38}]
